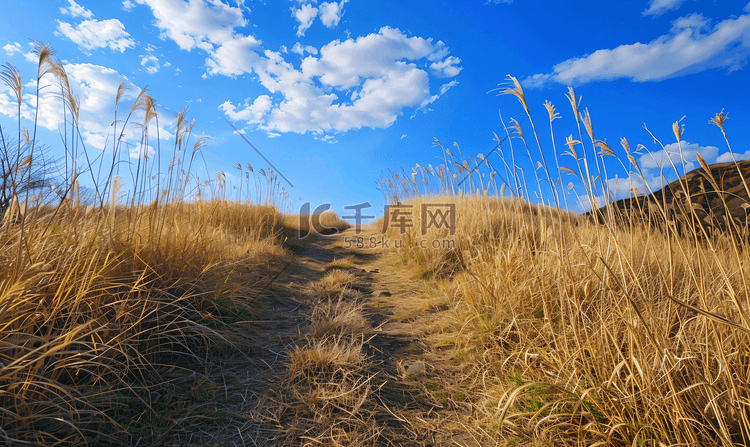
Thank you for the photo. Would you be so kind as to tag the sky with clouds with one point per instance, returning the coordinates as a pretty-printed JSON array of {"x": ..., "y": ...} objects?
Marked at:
[{"x": 337, "y": 94}]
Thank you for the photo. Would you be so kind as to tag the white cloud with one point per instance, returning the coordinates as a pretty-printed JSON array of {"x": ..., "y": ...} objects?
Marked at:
[
  {"x": 331, "y": 13},
  {"x": 139, "y": 150},
  {"x": 445, "y": 87},
  {"x": 447, "y": 68},
  {"x": 727, "y": 157},
  {"x": 691, "y": 21},
  {"x": 76, "y": 10},
  {"x": 31, "y": 57},
  {"x": 128, "y": 5},
  {"x": 377, "y": 72},
  {"x": 234, "y": 57},
  {"x": 659, "y": 7},
  {"x": 635, "y": 184},
  {"x": 330, "y": 139},
  {"x": 345, "y": 64},
  {"x": 94, "y": 85},
  {"x": 404, "y": 136},
  {"x": 661, "y": 158},
  {"x": 305, "y": 16},
  {"x": 96, "y": 88},
  {"x": 201, "y": 24},
  {"x": 507, "y": 2},
  {"x": 251, "y": 113},
  {"x": 299, "y": 49},
  {"x": 92, "y": 34},
  {"x": 345, "y": 85},
  {"x": 12, "y": 48},
  {"x": 151, "y": 63},
  {"x": 691, "y": 46},
  {"x": 167, "y": 64},
  {"x": 657, "y": 171}
]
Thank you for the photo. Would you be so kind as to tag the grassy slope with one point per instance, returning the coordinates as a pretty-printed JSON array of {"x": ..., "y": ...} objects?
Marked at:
[
  {"x": 110, "y": 313},
  {"x": 593, "y": 322},
  {"x": 108, "y": 304},
  {"x": 586, "y": 332},
  {"x": 714, "y": 194}
]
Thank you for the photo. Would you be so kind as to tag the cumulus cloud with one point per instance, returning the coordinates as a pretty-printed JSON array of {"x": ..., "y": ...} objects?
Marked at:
[
  {"x": 634, "y": 184},
  {"x": 93, "y": 34},
  {"x": 201, "y": 24},
  {"x": 727, "y": 157},
  {"x": 31, "y": 57},
  {"x": 76, "y": 10},
  {"x": 127, "y": 5},
  {"x": 447, "y": 68},
  {"x": 659, "y": 7},
  {"x": 661, "y": 159},
  {"x": 349, "y": 84},
  {"x": 345, "y": 64},
  {"x": 331, "y": 13},
  {"x": 150, "y": 62},
  {"x": 12, "y": 48},
  {"x": 96, "y": 87},
  {"x": 377, "y": 72},
  {"x": 234, "y": 57},
  {"x": 299, "y": 49},
  {"x": 330, "y": 139},
  {"x": 691, "y": 46},
  {"x": 305, "y": 15},
  {"x": 250, "y": 113}
]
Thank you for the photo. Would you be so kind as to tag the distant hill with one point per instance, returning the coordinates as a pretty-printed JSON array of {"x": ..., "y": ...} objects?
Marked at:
[{"x": 705, "y": 198}]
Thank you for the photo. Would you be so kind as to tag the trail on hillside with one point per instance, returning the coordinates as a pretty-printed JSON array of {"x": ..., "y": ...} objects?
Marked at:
[{"x": 352, "y": 353}]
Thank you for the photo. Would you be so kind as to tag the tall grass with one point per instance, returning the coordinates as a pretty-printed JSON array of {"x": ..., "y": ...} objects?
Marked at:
[
  {"x": 591, "y": 332},
  {"x": 104, "y": 295}
]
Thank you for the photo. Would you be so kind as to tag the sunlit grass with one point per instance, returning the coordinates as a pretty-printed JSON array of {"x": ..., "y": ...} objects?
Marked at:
[
  {"x": 106, "y": 297},
  {"x": 622, "y": 332}
]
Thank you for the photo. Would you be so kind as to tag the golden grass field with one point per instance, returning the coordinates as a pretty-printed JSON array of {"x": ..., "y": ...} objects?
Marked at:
[{"x": 564, "y": 329}]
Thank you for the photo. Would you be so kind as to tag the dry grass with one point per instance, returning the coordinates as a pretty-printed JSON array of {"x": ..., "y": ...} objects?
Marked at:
[
  {"x": 327, "y": 395},
  {"x": 338, "y": 307},
  {"x": 335, "y": 284},
  {"x": 585, "y": 333},
  {"x": 342, "y": 316},
  {"x": 109, "y": 312},
  {"x": 344, "y": 262}
]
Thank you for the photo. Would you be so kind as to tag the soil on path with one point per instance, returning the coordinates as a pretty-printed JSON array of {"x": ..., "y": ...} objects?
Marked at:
[{"x": 416, "y": 397}]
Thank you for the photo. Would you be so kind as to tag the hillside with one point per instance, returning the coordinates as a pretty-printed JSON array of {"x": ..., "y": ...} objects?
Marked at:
[{"x": 712, "y": 195}]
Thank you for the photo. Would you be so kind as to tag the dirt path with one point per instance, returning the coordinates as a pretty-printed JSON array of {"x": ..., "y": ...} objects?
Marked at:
[{"x": 401, "y": 388}]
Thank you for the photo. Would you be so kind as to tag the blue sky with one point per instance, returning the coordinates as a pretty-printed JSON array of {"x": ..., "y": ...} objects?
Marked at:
[{"x": 335, "y": 94}]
